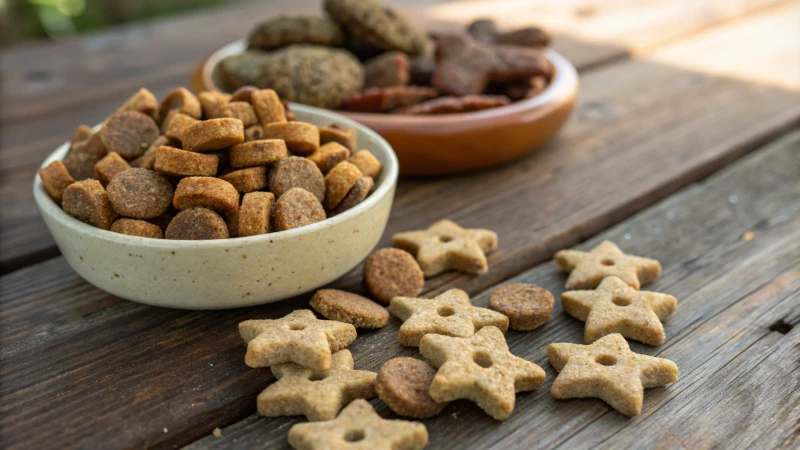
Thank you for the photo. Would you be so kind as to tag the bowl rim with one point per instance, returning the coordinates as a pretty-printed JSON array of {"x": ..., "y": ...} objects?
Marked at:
[{"x": 47, "y": 206}]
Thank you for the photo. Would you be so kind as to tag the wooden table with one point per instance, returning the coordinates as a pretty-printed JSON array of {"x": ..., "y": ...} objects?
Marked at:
[{"x": 684, "y": 139}]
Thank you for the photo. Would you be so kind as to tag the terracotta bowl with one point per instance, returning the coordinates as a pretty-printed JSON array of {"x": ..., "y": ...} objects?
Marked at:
[{"x": 451, "y": 143}]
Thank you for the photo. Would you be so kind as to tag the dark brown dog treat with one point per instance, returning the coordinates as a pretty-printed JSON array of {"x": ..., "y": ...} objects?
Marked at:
[
  {"x": 268, "y": 106},
  {"x": 386, "y": 70},
  {"x": 55, "y": 178},
  {"x": 297, "y": 208},
  {"x": 197, "y": 224},
  {"x": 212, "y": 103},
  {"x": 148, "y": 158},
  {"x": 255, "y": 213},
  {"x": 526, "y": 306},
  {"x": 243, "y": 69},
  {"x": 366, "y": 162},
  {"x": 207, "y": 192},
  {"x": 80, "y": 161},
  {"x": 337, "y": 133},
  {"x": 403, "y": 384},
  {"x": 253, "y": 133},
  {"x": 391, "y": 272},
  {"x": 454, "y": 105},
  {"x": 247, "y": 180},
  {"x": 88, "y": 202},
  {"x": 129, "y": 133},
  {"x": 142, "y": 101},
  {"x": 243, "y": 94},
  {"x": 421, "y": 69},
  {"x": 291, "y": 29},
  {"x": 329, "y": 155},
  {"x": 357, "y": 194},
  {"x": 387, "y": 99},
  {"x": 212, "y": 134},
  {"x": 134, "y": 227},
  {"x": 258, "y": 153},
  {"x": 485, "y": 30},
  {"x": 241, "y": 110},
  {"x": 338, "y": 183},
  {"x": 175, "y": 123},
  {"x": 183, "y": 101},
  {"x": 108, "y": 167},
  {"x": 180, "y": 163},
  {"x": 527, "y": 89},
  {"x": 95, "y": 144},
  {"x": 296, "y": 172},
  {"x": 140, "y": 193},
  {"x": 82, "y": 133},
  {"x": 378, "y": 25},
  {"x": 347, "y": 307},
  {"x": 301, "y": 138}
]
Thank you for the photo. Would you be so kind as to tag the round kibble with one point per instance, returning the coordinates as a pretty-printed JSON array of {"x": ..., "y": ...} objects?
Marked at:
[
  {"x": 207, "y": 192},
  {"x": 108, "y": 167},
  {"x": 338, "y": 183},
  {"x": 134, "y": 227},
  {"x": 241, "y": 110},
  {"x": 182, "y": 100},
  {"x": 357, "y": 194},
  {"x": 296, "y": 172},
  {"x": 55, "y": 178},
  {"x": 301, "y": 138},
  {"x": 347, "y": 307},
  {"x": 255, "y": 212},
  {"x": 391, "y": 272},
  {"x": 129, "y": 133},
  {"x": 258, "y": 153},
  {"x": 526, "y": 306},
  {"x": 403, "y": 384},
  {"x": 247, "y": 180},
  {"x": 87, "y": 201},
  {"x": 197, "y": 224},
  {"x": 140, "y": 193},
  {"x": 329, "y": 155},
  {"x": 176, "y": 162},
  {"x": 297, "y": 208},
  {"x": 213, "y": 134},
  {"x": 366, "y": 162}
]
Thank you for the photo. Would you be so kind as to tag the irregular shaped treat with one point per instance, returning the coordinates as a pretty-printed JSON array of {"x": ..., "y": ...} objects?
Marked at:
[
  {"x": 212, "y": 134},
  {"x": 82, "y": 133},
  {"x": 386, "y": 70},
  {"x": 301, "y": 138},
  {"x": 329, "y": 155},
  {"x": 243, "y": 69},
  {"x": 88, "y": 202},
  {"x": 403, "y": 384},
  {"x": 183, "y": 101},
  {"x": 588, "y": 269},
  {"x": 174, "y": 124},
  {"x": 148, "y": 158},
  {"x": 255, "y": 213},
  {"x": 258, "y": 153},
  {"x": 142, "y": 101},
  {"x": 338, "y": 183},
  {"x": 247, "y": 180},
  {"x": 378, "y": 25},
  {"x": 297, "y": 208},
  {"x": 387, "y": 99},
  {"x": 454, "y": 105},
  {"x": 140, "y": 193},
  {"x": 390, "y": 273},
  {"x": 288, "y": 29},
  {"x": 212, "y": 103},
  {"x": 240, "y": 110},
  {"x": 80, "y": 160},
  {"x": 129, "y": 133},
  {"x": 350, "y": 308},
  {"x": 485, "y": 30},
  {"x": 176, "y": 162},
  {"x": 134, "y": 227},
  {"x": 207, "y": 192},
  {"x": 296, "y": 172},
  {"x": 337, "y": 133},
  {"x": 357, "y": 194},
  {"x": 253, "y": 133},
  {"x": 268, "y": 106},
  {"x": 526, "y": 306},
  {"x": 366, "y": 162},
  {"x": 109, "y": 166},
  {"x": 197, "y": 224},
  {"x": 55, "y": 178}
]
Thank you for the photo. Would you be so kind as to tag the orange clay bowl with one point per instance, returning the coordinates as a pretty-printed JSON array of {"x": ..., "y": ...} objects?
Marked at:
[{"x": 452, "y": 143}]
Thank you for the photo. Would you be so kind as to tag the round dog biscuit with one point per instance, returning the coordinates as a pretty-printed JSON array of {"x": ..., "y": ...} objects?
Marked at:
[
  {"x": 258, "y": 153},
  {"x": 176, "y": 162},
  {"x": 207, "y": 192},
  {"x": 297, "y": 208},
  {"x": 338, "y": 183},
  {"x": 357, "y": 194},
  {"x": 213, "y": 134},
  {"x": 247, "y": 180},
  {"x": 526, "y": 306},
  {"x": 88, "y": 202},
  {"x": 403, "y": 384},
  {"x": 129, "y": 133},
  {"x": 140, "y": 193},
  {"x": 197, "y": 224},
  {"x": 295, "y": 172},
  {"x": 347, "y": 307},
  {"x": 182, "y": 100},
  {"x": 255, "y": 213},
  {"x": 301, "y": 138},
  {"x": 391, "y": 272},
  {"x": 366, "y": 162},
  {"x": 134, "y": 227}
]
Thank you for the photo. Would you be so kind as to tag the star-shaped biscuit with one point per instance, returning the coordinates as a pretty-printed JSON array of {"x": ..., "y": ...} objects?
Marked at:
[
  {"x": 481, "y": 369},
  {"x": 359, "y": 426},
  {"x": 316, "y": 394},
  {"x": 445, "y": 246},
  {"x": 451, "y": 314},
  {"x": 615, "y": 307},
  {"x": 608, "y": 370},
  {"x": 587, "y": 269},
  {"x": 298, "y": 337}
]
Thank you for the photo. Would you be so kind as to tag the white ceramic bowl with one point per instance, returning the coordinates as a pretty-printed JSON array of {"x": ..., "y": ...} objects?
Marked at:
[{"x": 228, "y": 273}]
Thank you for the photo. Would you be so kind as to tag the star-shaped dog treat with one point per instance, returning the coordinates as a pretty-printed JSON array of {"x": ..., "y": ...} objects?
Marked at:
[
  {"x": 359, "y": 426},
  {"x": 451, "y": 314},
  {"x": 298, "y": 337},
  {"x": 316, "y": 394},
  {"x": 608, "y": 370},
  {"x": 481, "y": 369},
  {"x": 587, "y": 269},
  {"x": 445, "y": 246},
  {"x": 615, "y": 307}
]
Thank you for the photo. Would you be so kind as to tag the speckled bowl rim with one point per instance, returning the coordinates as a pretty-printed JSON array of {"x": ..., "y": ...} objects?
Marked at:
[{"x": 47, "y": 206}]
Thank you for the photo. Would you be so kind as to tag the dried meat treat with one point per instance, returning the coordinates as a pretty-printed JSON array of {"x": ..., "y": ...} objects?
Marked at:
[
  {"x": 243, "y": 94},
  {"x": 527, "y": 89},
  {"x": 588, "y": 269},
  {"x": 485, "y": 30},
  {"x": 243, "y": 69},
  {"x": 291, "y": 29},
  {"x": 134, "y": 227},
  {"x": 297, "y": 208},
  {"x": 357, "y": 194},
  {"x": 129, "y": 133},
  {"x": 268, "y": 107},
  {"x": 421, "y": 69},
  {"x": 88, "y": 202},
  {"x": 175, "y": 123},
  {"x": 197, "y": 224},
  {"x": 378, "y": 25},
  {"x": 255, "y": 213},
  {"x": 142, "y": 101},
  {"x": 212, "y": 134},
  {"x": 295, "y": 172},
  {"x": 140, "y": 193},
  {"x": 213, "y": 103},
  {"x": 55, "y": 179},
  {"x": 337, "y": 133},
  {"x": 253, "y": 133},
  {"x": 387, "y": 99},
  {"x": 347, "y": 307},
  {"x": 390, "y": 273},
  {"x": 108, "y": 167},
  {"x": 247, "y": 180},
  {"x": 329, "y": 155},
  {"x": 176, "y": 162},
  {"x": 526, "y": 306},
  {"x": 258, "y": 153},
  {"x": 240, "y": 110},
  {"x": 386, "y": 70},
  {"x": 207, "y": 192},
  {"x": 82, "y": 133},
  {"x": 183, "y": 101},
  {"x": 403, "y": 384},
  {"x": 454, "y": 105},
  {"x": 338, "y": 183},
  {"x": 80, "y": 160},
  {"x": 366, "y": 162},
  {"x": 148, "y": 158}
]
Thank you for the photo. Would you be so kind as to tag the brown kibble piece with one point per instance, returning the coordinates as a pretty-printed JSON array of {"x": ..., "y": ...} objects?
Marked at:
[
  {"x": 255, "y": 213},
  {"x": 207, "y": 192},
  {"x": 243, "y": 94},
  {"x": 297, "y": 208},
  {"x": 295, "y": 172},
  {"x": 403, "y": 384},
  {"x": 55, "y": 179},
  {"x": 347, "y": 307},
  {"x": 175, "y": 123},
  {"x": 213, "y": 103},
  {"x": 82, "y": 133},
  {"x": 247, "y": 180},
  {"x": 253, "y": 133},
  {"x": 258, "y": 153},
  {"x": 337, "y": 133},
  {"x": 301, "y": 138},
  {"x": 197, "y": 224},
  {"x": 357, "y": 194},
  {"x": 148, "y": 159},
  {"x": 213, "y": 134},
  {"x": 81, "y": 159},
  {"x": 329, "y": 155},
  {"x": 240, "y": 110},
  {"x": 268, "y": 106},
  {"x": 129, "y": 133},
  {"x": 338, "y": 183},
  {"x": 182, "y": 100},
  {"x": 140, "y": 193},
  {"x": 134, "y": 227},
  {"x": 391, "y": 272},
  {"x": 366, "y": 162},
  {"x": 88, "y": 202},
  {"x": 176, "y": 162},
  {"x": 108, "y": 167},
  {"x": 526, "y": 306},
  {"x": 142, "y": 101}
]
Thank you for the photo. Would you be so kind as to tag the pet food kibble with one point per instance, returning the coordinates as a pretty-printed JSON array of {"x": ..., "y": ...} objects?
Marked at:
[
  {"x": 129, "y": 133},
  {"x": 403, "y": 384},
  {"x": 297, "y": 208},
  {"x": 268, "y": 106},
  {"x": 240, "y": 110},
  {"x": 301, "y": 138},
  {"x": 366, "y": 162},
  {"x": 88, "y": 202},
  {"x": 295, "y": 172},
  {"x": 134, "y": 227},
  {"x": 253, "y": 133},
  {"x": 213, "y": 134},
  {"x": 182, "y": 100},
  {"x": 350, "y": 308},
  {"x": 148, "y": 159},
  {"x": 213, "y": 103},
  {"x": 142, "y": 101},
  {"x": 340, "y": 134},
  {"x": 175, "y": 123},
  {"x": 526, "y": 306},
  {"x": 338, "y": 183},
  {"x": 55, "y": 178},
  {"x": 258, "y": 153},
  {"x": 140, "y": 193},
  {"x": 244, "y": 94},
  {"x": 109, "y": 166},
  {"x": 82, "y": 133},
  {"x": 95, "y": 144},
  {"x": 255, "y": 213},
  {"x": 207, "y": 192},
  {"x": 247, "y": 180},
  {"x": 357, "y": 194},
  {"x": 391, "y": 272},
  {"x": 329, "y": 155},
  {"x": 197, "y": 224},
  {"x": 80, "y": 161},
  {"x": 172, "y": 161}
]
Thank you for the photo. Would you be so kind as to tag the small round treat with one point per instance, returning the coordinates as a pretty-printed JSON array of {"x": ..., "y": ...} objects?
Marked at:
[
  {"x": 337, "y": 133},
  {"x": 174, "y": 124},
  {"x": 329, "y": 155},
  {"x": 176, "y": 162},
  {"x": 55, "y": 178},
  {"x": 240, "y": 110},
  {"x": 213, "y": 103},
  {"x": 197, "y": 224},
  {"x": 357, "y": 194},
  {"x": 140, "y": 193},
  {"x": 295, "y": 172},
  {"x": 378, "y": 25},
  {"x": 338, "y": 183},
  {"x": 88, "y": 202},
  {"x": 255, "y": 213},
  {"x": 295, "y": 29},
  {"x": 268, "y": 106},
  {"x": 526, "y": 306},
  {"x": 133, "y": 227},
  {"x": 258, "y": 153},
  {"x": 108, "y": 167},
  {"x": 347, "y": 307},
  {"x": 243, "y": 69},
  {"x": 243, "y": 94},
  {"x": 182, "y": 100},
  {"x": 366, "y": 163},
  {"x": 247, "y": 180},
  {"x": 297, "y": 208},
  {"x": 301, "y": 138},
  {"x": 207, "y": 192},
  {"x": 213, "y": 134},
  {"x": 391, "y": 272},
  {"x": 129, "y": 133},
  {"x": 403, "y": 384},
  {"x": 142, "y": 101}
]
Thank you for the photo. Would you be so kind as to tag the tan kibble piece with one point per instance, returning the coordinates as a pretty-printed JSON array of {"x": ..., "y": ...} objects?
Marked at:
[
  {"x": 301, "y": 138},
  {"x": 316, "y": 394},
  {"x": 244, "y": 94},
  {"x": 451, "y": 314},
  {"x": 183, "y": 101},
  {"x": 207, "y": 192},
  {"x": 258, "y": 153},
  {"x": 296, "y": 172},
  {"x": 55, "y": 178},
  {"x": 588, "y": 269},
  {"x": 357, "y": 194},
  {"x": 255, "y": 213},
  {"x": 329, "y": 155},
  {"x": 135, "y": 227},
  {"x": 175, "y": 162},
  {"x": 297, "y": 208},
  {"x": 108, "y": 167},
  {"x": 608, "y": 370},
  {"x": 247, "y": 180},
  {"x": 253, "y": 133},
  {"x": 82, "y": 133},
  {"x": 197, "y": 224},
  {"x": 391, "y": 272},
  {"x": 339, "y": 134},
  {"x": 615, "y": 307},
  {"x": 88, "y": 202},
  {"x": 350, "y": 308},
  {"x": 404, "y": 384},
  {"x": 142, "y": 101},
  {"x": 359, "y": 423},
  {"x": 213, "y": 103},
  {"x": 526, "y": 306},
  {"x": 268, "y": 106},
  {"x": 367, "y": 163},
  {"x": 129, "y": 133},
  {"x": 175, "y": 123},
  {"x": 298, "y": 337},
  {"x": 338, "y": 183},
  {"x": 240, "y": 110},
  {"x": 445, "y": 246},
  {"x": 212, "y": 134},
  {"x": 140, "y": 193},
  {"x": 481, "y": 369}
]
